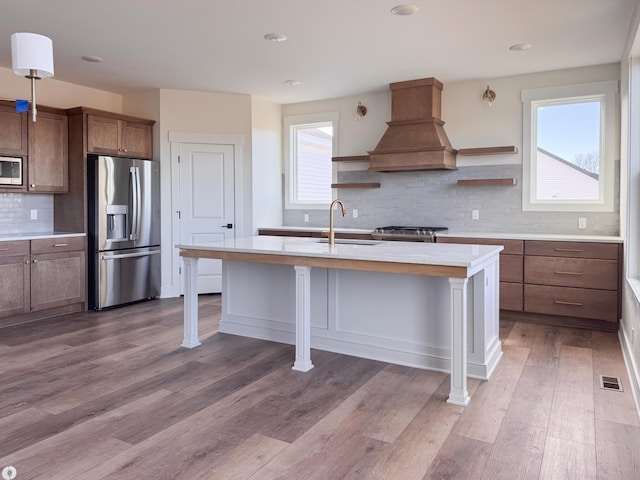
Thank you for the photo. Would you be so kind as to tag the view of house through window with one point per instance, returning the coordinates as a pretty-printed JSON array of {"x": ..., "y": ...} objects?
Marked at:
[
  {"x": 568, "y": 150},
  {"x": 568, "y": 142},
  {"x": 313, "y": 151},
  {"x": 311, "y": 144}
]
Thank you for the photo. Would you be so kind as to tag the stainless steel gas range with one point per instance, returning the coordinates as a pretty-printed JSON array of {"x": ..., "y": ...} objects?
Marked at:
[{"x": 408, "y": 234}]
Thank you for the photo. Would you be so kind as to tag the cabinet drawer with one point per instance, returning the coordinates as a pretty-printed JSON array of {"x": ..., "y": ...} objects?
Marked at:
[
  {"x": 511, "y": 268},
  {"x": 17, "y": 247},
  {"x": 571, "y": 272},
  {"x": 511, "y": 247},
  {"x": 572, "y": 249},
  {"x": 511, "y": 296},
  {"x": 59, "y": 244},
  {"x": 571, "y": 302}
]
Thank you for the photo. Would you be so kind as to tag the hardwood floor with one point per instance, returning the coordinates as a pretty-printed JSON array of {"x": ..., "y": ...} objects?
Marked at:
[{"x": 112, "y": 395}]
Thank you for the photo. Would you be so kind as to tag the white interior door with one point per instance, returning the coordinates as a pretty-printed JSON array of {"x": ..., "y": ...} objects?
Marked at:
[{"x": 206, "y": 212}]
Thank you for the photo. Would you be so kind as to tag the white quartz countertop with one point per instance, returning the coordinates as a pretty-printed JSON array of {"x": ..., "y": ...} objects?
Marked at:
[
  {"x": 8, "y": 237},
  {"x": 452, "y": 233},
  {"x": 534, "y": 236},
  {"x": 365, "y": 231},
  {"x": 418, "y": 253}
]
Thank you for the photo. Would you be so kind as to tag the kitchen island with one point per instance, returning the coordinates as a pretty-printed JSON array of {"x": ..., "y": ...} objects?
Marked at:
[{"x": 419, "y": 304}]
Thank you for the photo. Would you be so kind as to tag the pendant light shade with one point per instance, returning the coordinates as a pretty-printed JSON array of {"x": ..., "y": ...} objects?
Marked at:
[
  {"x": 31, "y": 51},
  {"x": 32, "y": 56}
]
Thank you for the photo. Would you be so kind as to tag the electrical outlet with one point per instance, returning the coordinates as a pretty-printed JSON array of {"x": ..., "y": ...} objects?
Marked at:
[
  {"x": 34, "y": 214},
  {"x": 582, "y": 222},
  {"x": 475, "y": 214},
  {"x": 355, "y": 213},
  {"x": 306, "y": 218}
]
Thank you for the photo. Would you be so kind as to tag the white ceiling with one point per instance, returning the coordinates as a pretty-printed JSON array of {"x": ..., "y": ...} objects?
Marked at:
[{"x": 335, "y": 47}]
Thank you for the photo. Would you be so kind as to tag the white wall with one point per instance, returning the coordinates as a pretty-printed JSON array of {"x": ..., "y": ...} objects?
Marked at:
[
  {"x": 355, "y": 137},
  {"x": 209, "y": 113},
  {"x": 266, "y": 170},
  {"x": 55, "y": 93},
  {"x": 469, "y": 122},
  {"x": 145, "y": 104},
  {"x": 472, "y": 123}
]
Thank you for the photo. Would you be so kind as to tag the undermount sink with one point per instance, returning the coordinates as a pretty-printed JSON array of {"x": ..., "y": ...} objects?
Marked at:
[{"x": 346, "y": 241}]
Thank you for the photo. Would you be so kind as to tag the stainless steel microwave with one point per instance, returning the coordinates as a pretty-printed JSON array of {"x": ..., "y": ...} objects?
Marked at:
[{"x": 11, "y": 171}]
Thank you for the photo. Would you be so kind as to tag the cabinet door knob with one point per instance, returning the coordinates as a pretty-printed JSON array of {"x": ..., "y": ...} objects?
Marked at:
[
  {"x": 33, "y": 185},
  {"x": 35, "y": 261}
]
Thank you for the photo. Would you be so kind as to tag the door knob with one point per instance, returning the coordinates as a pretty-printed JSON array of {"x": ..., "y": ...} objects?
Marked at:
[{"x": 228, "y": 225}]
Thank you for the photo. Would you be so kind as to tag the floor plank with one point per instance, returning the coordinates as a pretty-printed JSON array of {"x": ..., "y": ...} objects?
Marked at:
[
  {"x": 568, "y": 460},
  {"x": 607, "y": 360},
  {"x": 572, "y": 410},
  {"x": 481, "y": 420},
  {"x": 412, "y": 453},
  {"x": 459, "y": 458},
  {"x": 517, "y": 451},
  {"x": 618, "y": 450},
  {"x": 242, "y": 462}
]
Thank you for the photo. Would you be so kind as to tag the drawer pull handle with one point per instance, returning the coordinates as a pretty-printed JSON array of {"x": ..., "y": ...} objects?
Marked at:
[
  {"x": 567, "y": 273},
  {"x": 569, "y": 250},
  {"x": 575, "y": 304},
  {"x": 3, "y": 249},
  {"x": 60, "y": 244}
]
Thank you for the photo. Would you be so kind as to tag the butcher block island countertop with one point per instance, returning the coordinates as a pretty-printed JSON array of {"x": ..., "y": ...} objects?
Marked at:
[{"x": 410, "y": 303}]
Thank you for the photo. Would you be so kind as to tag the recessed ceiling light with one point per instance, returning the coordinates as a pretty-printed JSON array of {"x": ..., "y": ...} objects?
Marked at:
[
  {"x": 275, "y": 37},
  {"x": 91, "y": 58},
  {"x": 407, "y": 9},
  {"x": 292, "y": 83},
  {"x": 519, "y": 47}
]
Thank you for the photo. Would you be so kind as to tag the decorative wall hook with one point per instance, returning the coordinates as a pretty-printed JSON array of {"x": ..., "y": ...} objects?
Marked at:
[
  {"x": 489, "y": 96},
  {"x": 361, "y": 111}
]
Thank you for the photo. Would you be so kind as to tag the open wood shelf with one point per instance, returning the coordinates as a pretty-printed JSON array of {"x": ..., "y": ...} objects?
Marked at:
[
  {"x": 352, "y": 158},
  {"x": 488, "y": 150},
  {"x": 355, "y": 185},
  {"x": 489, "y": 181}
]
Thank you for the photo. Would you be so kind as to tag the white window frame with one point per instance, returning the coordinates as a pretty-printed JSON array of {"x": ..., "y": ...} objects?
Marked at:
[
  {"x": 289, "y": 123},
  {"x": 605, "y": 92}
]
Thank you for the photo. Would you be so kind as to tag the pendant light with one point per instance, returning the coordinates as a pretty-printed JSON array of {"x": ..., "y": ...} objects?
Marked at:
[{"x": 32, "y": 56}]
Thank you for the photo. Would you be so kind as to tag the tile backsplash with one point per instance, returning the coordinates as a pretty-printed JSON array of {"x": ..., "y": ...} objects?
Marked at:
[
  {"x": 15, "y": 213},
  {"x": 433, "y": 198}
]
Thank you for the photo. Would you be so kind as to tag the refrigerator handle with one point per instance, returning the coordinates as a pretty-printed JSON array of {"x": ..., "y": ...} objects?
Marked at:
[
  {"x": 135, "y": 207},
  {"x": 139, "y": 213}
]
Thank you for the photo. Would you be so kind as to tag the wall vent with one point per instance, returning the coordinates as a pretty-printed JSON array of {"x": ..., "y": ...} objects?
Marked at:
[{"x": 610, "y": 383}]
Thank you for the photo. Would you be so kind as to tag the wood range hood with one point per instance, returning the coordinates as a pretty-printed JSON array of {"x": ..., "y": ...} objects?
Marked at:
[{"x": 415, "y": 138}]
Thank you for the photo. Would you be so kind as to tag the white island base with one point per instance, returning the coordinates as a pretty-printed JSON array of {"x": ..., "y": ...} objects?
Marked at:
[
  {"x": 402, "y": 319},
  {"x": 418, "y": 320}
]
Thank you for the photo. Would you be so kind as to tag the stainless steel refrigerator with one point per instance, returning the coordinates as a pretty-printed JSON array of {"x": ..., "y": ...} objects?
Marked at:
[{"x": 124, "y": 230}]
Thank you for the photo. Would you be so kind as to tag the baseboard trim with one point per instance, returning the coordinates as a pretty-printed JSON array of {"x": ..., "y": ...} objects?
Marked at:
[
  {"x": 319, "y": 341},
  {"x": 632, "y": 369}
]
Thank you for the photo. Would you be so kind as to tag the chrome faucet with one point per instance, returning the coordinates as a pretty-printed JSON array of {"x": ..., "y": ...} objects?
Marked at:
[{"x": 344, "y": 212}]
